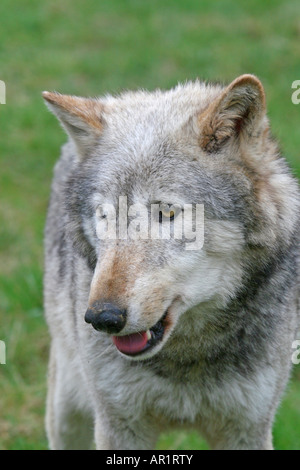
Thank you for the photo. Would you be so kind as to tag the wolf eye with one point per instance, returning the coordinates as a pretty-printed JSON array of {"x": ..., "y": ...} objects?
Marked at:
[
  {"x": 168, "y": 212},
  {"x": 100, "y": 213}
]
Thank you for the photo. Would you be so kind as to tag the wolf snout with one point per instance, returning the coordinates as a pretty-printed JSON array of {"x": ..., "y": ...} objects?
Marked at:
[{"x": 106, "y": 317}]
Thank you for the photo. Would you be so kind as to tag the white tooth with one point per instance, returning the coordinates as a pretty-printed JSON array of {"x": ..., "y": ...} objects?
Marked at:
[{"x": 148, "y": 333}]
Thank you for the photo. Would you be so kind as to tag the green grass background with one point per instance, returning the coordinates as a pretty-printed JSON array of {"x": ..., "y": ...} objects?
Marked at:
[{"x": 88, "y": 48}]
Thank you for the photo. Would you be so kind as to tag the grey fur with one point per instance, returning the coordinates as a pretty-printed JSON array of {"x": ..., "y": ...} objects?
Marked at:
[{"x": 224, "y": 365}]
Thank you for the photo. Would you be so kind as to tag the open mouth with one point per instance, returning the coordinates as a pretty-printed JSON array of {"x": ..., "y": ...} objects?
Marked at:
[{"x": 142, "y": 341}]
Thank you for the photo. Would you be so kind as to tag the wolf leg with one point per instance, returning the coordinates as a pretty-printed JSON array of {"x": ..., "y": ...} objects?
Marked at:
[
  {"x": 68, "y": 424},
  {"x": 243, "y": 442},
  {"x": 116, "y": 434},
  {"x": 236, "y": 435}
]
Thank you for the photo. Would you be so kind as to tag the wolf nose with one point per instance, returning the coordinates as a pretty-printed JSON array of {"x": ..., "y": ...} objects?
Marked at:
[{"x": 106, "y": 317}]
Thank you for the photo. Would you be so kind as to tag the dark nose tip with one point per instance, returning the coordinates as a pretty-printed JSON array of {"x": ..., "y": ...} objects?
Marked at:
[{"x": 106, "y": 317}]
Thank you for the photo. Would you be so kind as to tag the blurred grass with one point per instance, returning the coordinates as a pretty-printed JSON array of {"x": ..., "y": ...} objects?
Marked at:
[{"x": 90, "y": 48}]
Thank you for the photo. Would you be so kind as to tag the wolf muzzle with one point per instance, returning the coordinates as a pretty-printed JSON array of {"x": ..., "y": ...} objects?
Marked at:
[{"x": 106, "y": 317}]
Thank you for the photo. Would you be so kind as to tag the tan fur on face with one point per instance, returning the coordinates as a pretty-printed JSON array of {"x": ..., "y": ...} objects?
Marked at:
[
  {"x": 120, "y": 279},
  {"x": 114, "y": 278}
]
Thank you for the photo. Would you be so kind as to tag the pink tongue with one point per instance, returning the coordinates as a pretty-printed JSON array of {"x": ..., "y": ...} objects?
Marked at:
[{"x": 131, "y": 344}]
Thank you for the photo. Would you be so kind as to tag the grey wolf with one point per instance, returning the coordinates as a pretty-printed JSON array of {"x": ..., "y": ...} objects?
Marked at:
[{"x": 145, "y": 334}]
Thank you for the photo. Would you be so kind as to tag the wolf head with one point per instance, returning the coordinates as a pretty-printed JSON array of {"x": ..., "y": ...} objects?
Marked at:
[{"x": 197, "y": 145}]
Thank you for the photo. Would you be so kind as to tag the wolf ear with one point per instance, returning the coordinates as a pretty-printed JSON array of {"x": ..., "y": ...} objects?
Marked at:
[
  {"x": 80, "y": 117},
  {"x": 238, "y": 111}
]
